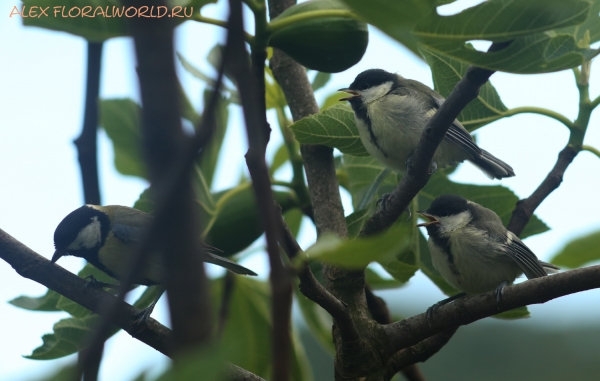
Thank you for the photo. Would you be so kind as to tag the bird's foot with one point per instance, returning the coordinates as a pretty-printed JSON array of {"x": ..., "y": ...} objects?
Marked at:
[
  {"x": 431, "y": 310},
  {"x": 432, "y": 167},
  {"x": 141, "y": 319},
  {"x": 95, "y": 283},
  {"x": 500, "y": 291},
  {"x": 381, "y": 204}
]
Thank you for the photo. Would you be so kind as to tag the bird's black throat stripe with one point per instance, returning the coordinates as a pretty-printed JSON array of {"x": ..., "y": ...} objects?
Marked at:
[
  {"x": 444, "y": 244},
  {"x": 362, "y": 113}
]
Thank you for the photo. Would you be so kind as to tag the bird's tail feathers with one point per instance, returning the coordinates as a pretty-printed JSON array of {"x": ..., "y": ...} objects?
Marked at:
[
  {"x": 493, "y": 167},
  {"x": 549, "y": 267},
  {"x": 229, "y": 265}
]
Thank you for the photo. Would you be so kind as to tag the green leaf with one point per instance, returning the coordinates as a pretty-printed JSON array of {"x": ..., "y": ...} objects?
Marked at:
[
  {"x": 355, "y": 222},
  {"x": 248, "y": 328},
  {"x": 69, "y": 337},
  {"x": 327, "y": 44},
  {"x": 293, "y": 219},
  {"x": 120, "y": 118},
  {"x": 497, "y": 198},
  {"x": 537, "y": 53},
  {"x": 46, "y": 302},
  {"x": 209, "y": 362},
  {"x": 580, "y": 251},
  {"x": 362, "y": 173},
  {"x": 281, "y": 157},
  {"x": 361, "y": 251},
  {"x": 503, "y": 20},
  {"x": 377, "y": 282},
  {"x": 320, "y": 80},
  {"x": 591, "y": 26},
  {"x": 319, "y": 322},
  {"x": 517, "y": 313},
  {"x": 333, "y": 127},
  {"x": 482, "y": 110},
  {"x": 395, "y": 18}
]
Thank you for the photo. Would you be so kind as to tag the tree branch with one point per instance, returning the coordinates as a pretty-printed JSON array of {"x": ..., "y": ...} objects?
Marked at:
[
  {"x": 410, "y": 331},
  {"x": 421, "y": 352},
  {"x": 86, "y": 142},
  {"x": 31, "y": 265},
  {"x": 525, "y": 208},
  {"x": 251, "y": 87}
]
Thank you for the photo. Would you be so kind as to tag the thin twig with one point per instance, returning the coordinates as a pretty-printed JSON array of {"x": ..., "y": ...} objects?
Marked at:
[
  {"x": 86, "y": 142},
  {"x": 381, "y": 314},
  {"x": 525, "y": 208},
  {"x": 251, "y": 89},
  {"x": 421, "y": 352}
]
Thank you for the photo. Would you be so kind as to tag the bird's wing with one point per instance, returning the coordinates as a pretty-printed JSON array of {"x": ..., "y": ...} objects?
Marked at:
[
  {"x": 525, "y": 258},
  {"x": 457, "y": 134},
  {"x": 131, "y": 235},
  {"x": 229, "y": 265}
]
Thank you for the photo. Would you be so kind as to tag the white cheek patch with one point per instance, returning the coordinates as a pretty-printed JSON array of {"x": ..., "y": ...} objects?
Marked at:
[
  {"x": 374, "y": 93},
  {"x": 455, "y": 222},
  {"x": 88, "y": 237}
]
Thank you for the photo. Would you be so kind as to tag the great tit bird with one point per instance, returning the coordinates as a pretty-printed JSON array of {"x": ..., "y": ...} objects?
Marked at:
[
  {"x": 472, "y": 249},
  {"x": 391, "y": 113},
  {"x": 106, "y": 236}
]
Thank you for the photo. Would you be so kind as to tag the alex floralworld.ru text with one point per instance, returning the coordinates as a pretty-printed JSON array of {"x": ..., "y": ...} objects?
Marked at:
[{"x": 107, "y": 11}]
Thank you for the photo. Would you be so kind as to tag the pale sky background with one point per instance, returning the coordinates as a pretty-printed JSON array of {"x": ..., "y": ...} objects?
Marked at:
[{"x": 41, "y": 111}]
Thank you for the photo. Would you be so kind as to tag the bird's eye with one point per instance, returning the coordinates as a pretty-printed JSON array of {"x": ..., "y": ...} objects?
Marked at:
[{"x": 364, "y": 86}]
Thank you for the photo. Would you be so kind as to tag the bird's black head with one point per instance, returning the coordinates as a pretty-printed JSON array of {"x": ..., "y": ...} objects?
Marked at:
[
  {"x": 371, "y": 78},
  {"x": 448, "y": 205},
  {"x": 81, "y": 232}
]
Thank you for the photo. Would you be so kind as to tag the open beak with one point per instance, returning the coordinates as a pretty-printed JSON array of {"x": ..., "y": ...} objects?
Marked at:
[
  {"x": 432, "y": 220},
  {"x": 351, "y": 92},
  {"x": 57, "y": 254}
]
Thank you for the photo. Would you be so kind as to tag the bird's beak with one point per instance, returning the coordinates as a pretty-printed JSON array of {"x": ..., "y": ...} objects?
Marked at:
[
  {"x": 57, "y": 254},
  {"x": 432, "y": 219},
  {"x": 352, "y": 92}
]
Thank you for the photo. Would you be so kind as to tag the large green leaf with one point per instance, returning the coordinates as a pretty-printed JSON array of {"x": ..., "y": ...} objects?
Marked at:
[
  {"x": 359, "y": 252},
  {"x": 482, "y": 110},
  {"x": 590, "y": 26},
  {"x": 333, "y": 127},
  {"x": 362, "y": 172},
  {"x": 209, "y": 362},
  {"x": 328, "y": 44},
  {"x": 503, "y": 20},
  {"x": 319, "y": 322},
  {"x": 537, "y": 53},
  {"x": 46, "y": 302},
  {"x": 396, "y": 18},
  {"x": 248, "y": 326},
  {"x": 121, "y": 120},
  {"x": 497, "y": 198},
  {"x": 579, "y": 251},
  {"x": 69, "y": 337}
]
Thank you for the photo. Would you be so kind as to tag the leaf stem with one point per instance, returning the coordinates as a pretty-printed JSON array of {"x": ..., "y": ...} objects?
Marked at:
[
  {"x": 542, "y": 111},
  {"x": 276, "y": 24},
  {"x": 591, "y": 149},
  {"x": 223, "y": 24}
]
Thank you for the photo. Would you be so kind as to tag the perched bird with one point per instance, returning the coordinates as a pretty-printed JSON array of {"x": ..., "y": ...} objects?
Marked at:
[
  {"x": 472, "y": 249},
  {"x": 106, "y": 236},
  {"x": 391, "y": 113}
]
